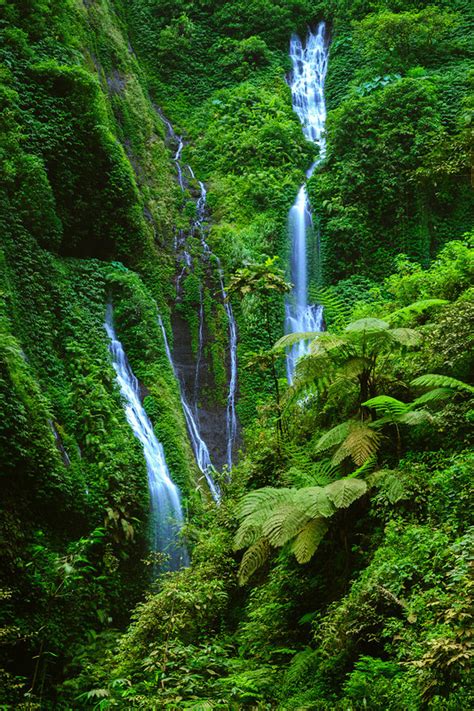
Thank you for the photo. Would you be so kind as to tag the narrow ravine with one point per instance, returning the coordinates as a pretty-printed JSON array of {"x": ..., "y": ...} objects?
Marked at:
[
  {"x": 307, "y": 79},
  {"x": 166, "y": 518}
]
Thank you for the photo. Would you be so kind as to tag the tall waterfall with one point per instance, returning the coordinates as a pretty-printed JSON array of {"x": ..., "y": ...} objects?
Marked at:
[
  {"x": 307, "y": 90},
  {"x": 166, "y": 517},
  {"x": 201, "y": 452},
  {"x": 199, "y": 229},
  {"x": 231, "y": 417}
]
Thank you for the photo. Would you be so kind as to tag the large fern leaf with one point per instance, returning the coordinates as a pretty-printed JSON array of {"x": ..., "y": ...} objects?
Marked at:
[
  {"x": 334, "y": 436},
  {"x": 433, "y": 396},
  {"x": 368, "y": 324},
  {"x": 361, "y": 444},
  {"x": 307, "y": 541},
  {"x": 314, "y": 501},
  {"x": 291, "y": 338},
  {"x": 344, "y": 492},
  {"x": 405, "y": 336},
  {"x": 416, "y": 417},
  {"x": 253, "y": 559},
  {"x": 433, "y": 380},
  {"x": 262, "y": 500},
  {"x": 284, "y": 524},
  {"x": 387, "y": 404},
  {"x": 415, "y": 309},
  {"x": 249, "y": 531}
]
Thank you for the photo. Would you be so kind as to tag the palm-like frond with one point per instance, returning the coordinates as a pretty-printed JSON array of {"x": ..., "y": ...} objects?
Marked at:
[
  {"x": 314, "y": 501},
  {"x": 299, "y": 517},
  {"x": 361, "y": 444},
  {"x": 415, "y": 309},
  {"x": 334, "y": 436},
  {"x": 291, "y": 338},
  {"x": 387, "y": 405},
  {"x": 306, "y": 542},
  {"x": 416, "y": 417},
  {"x": 253, "y": 559},
  {"x": 265, "y": 499},
  {"x": 368, "y": 324},
  {"x": 433, "y": 380},
  {"x": 433, "y": 396},
  {"x": 344, "y": 492},
  {"x": 405, "y": 336},
  {"x": 284, "y": 524}
]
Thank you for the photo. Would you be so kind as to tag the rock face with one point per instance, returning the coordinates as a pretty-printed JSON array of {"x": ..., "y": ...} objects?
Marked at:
[{"x": 198, "y": 383}]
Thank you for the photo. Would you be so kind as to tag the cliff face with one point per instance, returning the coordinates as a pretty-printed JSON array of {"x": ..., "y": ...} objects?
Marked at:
[
  {"x": 94, "y": 209},
  {"x": 89, "y": 204}
]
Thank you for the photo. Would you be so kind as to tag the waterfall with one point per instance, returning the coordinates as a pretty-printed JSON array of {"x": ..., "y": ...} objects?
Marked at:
[
  {"x": 166, "y": 517},
  {"x": 201, "y": 452},
  {"x": 307, "y": 91},
  {"x": 198, "y": 227},
  {"x": 231, "y": 417}
]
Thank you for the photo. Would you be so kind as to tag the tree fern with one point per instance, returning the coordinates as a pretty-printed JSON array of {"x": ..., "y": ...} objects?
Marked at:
[
  {"x": 253, "y": 559},
  {"x": 297, "y": 515},
  {"x": 262, "y": 500},
  {"x": 415, "y": 309},
  {"x": 284, "y": 524},
  {"x": 433, "y": 380},
  {"x": 334, "y": 436},
  {"x": 307, "y": 541},
  {"x": 315, "y": 501},
  {"x": 344, "y": 492}
]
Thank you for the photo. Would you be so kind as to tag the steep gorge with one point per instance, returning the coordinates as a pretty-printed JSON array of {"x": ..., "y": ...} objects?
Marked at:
[{"x": 151, "y": 156}]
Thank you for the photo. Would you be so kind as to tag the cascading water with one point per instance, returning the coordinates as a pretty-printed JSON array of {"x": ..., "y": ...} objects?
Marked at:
[
  {"x": 201, "y": 452},
  {"x": 166, "y": 517},
  {"x": 307, "y": 91},
  {"x": 231, "y": 417},
  {"x": 198, "y": 228}
]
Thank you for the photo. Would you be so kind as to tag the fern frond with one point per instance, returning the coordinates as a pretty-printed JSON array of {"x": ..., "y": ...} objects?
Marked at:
[
  {"x": 362, "y": 443},
  {"x": 344, "y": 492},
  {"x": 314, "y": 501},
  {"x": 416, "y": 417},
  {"x": 433, "y": 380},
  {"x": 368, "y": 324},
  {"x": 405, "y": 336},
  {"x": 249, "y": 531},
  {"x": 353, "y": 366},
  {"x": 387, "y": 404},
  {"x": 335, "y": 308},
  {"x": 415, "y": 309},
  {"x": 334, "y": 436},
  {"x": 291, "y": 338},
  {"x": 433, "y": 396},
  {"x": 284, "y": 524},
  {"x": 306, "y": 542},
  {"x": 262, "y": 500},
  {"x": 365, "y": 469},
  {"x": 253, "y": 559}
]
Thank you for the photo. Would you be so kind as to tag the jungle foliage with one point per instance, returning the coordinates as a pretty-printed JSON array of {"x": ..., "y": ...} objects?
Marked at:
[{"x": 337, "y": 571}]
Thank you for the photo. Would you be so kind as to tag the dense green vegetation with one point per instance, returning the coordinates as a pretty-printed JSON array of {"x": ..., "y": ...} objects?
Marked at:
[{"x": 335, "y": 573}]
